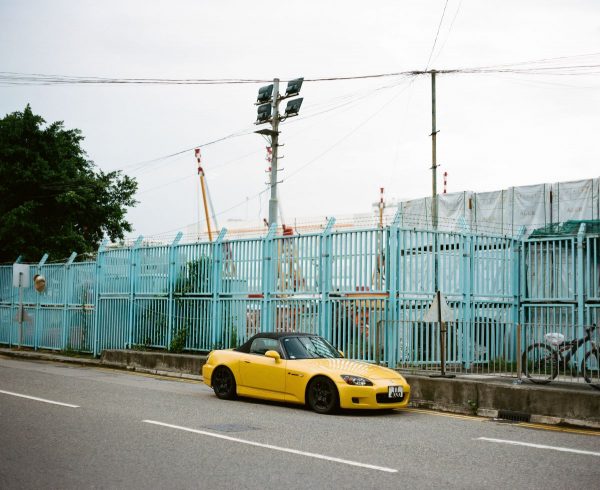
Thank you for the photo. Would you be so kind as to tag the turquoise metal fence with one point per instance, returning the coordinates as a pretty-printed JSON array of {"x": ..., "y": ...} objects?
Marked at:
[
  {"x": 60, "y": 318},
  {"x": 367, "y": 290}
]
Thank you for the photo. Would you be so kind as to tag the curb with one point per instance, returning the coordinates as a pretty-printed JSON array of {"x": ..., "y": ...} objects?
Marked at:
[{"x": 42, "y": 356}]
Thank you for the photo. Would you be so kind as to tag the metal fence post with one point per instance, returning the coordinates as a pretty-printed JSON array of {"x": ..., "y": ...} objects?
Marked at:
[
  {"x": 465, "y": 326},
  {"x": 172, "y": 273},
  {"x": 36, "y": 334},
  {"x": 392, "y": 270},
  {"x": 12, "y": 310},
  {"x": 580, "y": 281},
  {"x": 67, "y": 289},
  {"x": 217, "y": 274},
  {"x": 325, "y": 262},
  {"x": 268, "y": 258},
  {"x": 99, "y": 261},
  {"x": 518, "y": 291},
  {"x": 133, "y": 258},
  {"x": 519, "y": 348}
]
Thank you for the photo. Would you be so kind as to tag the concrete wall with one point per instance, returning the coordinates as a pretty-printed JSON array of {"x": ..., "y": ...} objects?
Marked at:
[
  {"x": 550, "y": 404},
  {"x": 153, "y": 361}
]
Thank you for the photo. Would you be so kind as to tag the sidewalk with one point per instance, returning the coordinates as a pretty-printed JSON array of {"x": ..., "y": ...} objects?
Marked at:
[{"x": 497, "y": 397}]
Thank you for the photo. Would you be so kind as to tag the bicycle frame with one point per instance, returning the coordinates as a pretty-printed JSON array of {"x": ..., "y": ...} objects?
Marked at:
[{"x": 568, "y": 349}]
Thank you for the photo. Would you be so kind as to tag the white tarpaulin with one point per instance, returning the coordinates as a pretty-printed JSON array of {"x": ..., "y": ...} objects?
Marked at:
[
  {"x": 416, "y": 213},
  {"x": 531, "y": 207},
  {"x": 576, "y": 200},
  {"x": 452, "y": 207},
  {"x": 487, "y": 212},
  {"x": 505, "y": 212}
]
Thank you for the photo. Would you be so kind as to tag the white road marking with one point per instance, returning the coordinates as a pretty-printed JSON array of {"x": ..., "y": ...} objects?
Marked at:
[
  {"x": 276, "y": 448},
  {"x": 39, "y": 399},
  {"x": 539, "y": 446}
]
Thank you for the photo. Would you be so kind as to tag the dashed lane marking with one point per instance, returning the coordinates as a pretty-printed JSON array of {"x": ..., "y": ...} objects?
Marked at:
[
  {"x": 275, "y": 448},
  {"x": 35, "y": 398},
  {"x": 539, "y": 446}
]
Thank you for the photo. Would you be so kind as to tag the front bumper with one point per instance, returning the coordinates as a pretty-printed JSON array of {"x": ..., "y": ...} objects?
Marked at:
[{"x": 371, "y": 397}]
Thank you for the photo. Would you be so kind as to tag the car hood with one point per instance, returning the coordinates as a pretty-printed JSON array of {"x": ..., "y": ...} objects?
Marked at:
[{"x": 357, "y": 368}]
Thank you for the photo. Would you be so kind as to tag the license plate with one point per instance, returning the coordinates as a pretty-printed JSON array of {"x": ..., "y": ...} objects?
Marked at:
[{"x": 395, "y": 391}]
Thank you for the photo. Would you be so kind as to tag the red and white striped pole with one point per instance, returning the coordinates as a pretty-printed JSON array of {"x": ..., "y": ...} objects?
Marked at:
[
  {"x": 202, "y": 186},
  {"x": 198, "y": 159}
]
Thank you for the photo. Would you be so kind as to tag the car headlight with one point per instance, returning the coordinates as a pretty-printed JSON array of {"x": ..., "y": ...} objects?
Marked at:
[{"x": 356, "y": 380}]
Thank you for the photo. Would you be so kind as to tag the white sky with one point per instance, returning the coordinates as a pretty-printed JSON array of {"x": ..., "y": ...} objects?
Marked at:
[{"x": 496, "y": 131}]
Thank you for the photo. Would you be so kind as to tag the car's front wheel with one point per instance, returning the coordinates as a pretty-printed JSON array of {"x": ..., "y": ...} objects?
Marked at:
[
  {"x": 322, "y": 395},
  {"x": 223, "y": 383}
]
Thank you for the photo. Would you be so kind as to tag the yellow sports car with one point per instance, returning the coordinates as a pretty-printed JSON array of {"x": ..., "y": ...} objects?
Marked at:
[{"x": 304, "y": 369}]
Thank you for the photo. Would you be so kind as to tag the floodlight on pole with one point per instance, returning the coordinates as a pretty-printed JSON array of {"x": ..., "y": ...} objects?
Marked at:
[
  {"x": 265, "y": 94},
  {"x": 263, "y": 114},
  {"x": 293, "y": 87},
  {"x": 268, "y": 100},
  {"x": 293, "y": 107}
]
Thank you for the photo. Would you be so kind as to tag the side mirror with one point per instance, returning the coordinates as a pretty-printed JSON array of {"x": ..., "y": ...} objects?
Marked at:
[
  {"x": 341, "y": 353},
  {"x": 273, "y": 354}
]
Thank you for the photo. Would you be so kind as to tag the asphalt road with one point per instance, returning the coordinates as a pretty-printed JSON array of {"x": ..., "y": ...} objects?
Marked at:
[{"x": 114, "y": 429}]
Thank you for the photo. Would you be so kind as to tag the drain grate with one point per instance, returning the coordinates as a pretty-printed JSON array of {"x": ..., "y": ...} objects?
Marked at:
[{"x": 514, "y": 416}]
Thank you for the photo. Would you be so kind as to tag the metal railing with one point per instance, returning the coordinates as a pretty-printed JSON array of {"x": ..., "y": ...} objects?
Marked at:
[
  {"x": 483, "y": 347},
  {"x": 365, "y": 290}
]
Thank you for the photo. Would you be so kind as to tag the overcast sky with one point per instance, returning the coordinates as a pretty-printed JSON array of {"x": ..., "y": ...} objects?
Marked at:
[{"x": 352, "y": 137}]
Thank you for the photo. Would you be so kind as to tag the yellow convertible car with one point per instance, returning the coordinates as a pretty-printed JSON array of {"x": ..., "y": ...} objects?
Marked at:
[{"x": 304, "y": 369}]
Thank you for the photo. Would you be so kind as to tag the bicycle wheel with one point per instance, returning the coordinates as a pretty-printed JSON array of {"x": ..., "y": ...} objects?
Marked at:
[
  {"x": 540, "y": 363},
  {"x": 590, "y": 367}
]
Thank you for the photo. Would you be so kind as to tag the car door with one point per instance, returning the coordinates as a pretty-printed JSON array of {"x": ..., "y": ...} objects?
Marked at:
[{"x": 262, "y": 375}]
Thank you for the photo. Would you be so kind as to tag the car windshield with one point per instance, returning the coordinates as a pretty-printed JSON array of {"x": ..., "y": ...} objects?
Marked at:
[{"x": 309, "y": 348}]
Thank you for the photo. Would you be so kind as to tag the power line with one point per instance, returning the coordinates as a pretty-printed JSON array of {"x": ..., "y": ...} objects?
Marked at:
[
  {"x": 14, "y": 78},
  {"x": 347, "y": 101},
  {"x": 365, "y": 121},
  {"x": 449, "y": 30},
  {"x": 136, "y": 165},
  {"x": 436, "y": 35}
]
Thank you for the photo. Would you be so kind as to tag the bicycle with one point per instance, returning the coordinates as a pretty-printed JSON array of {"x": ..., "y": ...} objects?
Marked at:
[{"x": 541, "y": 360}]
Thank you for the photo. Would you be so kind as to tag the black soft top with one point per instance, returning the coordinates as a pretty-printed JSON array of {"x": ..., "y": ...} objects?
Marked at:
[{"x": 271, "y": 335}]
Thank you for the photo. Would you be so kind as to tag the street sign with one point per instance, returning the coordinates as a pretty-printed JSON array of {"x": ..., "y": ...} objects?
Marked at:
[
  {"x": 432, "y": 314},
  {"x": 21, "y": 275}
]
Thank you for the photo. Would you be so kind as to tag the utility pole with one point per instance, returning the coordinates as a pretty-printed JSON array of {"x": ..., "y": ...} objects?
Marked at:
[
  {"x": 434, "y": 203},
  {"x": 274, "y": 153},
  {"x": 434, "y": 197}
]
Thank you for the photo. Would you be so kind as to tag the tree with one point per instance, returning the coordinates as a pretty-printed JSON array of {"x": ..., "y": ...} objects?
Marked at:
[{"x": 52, "y": 197}]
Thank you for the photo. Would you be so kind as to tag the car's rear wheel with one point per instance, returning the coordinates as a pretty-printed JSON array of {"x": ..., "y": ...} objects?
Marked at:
[
  {"x": 322, "y": 395},
  {"x": 223, "y": 383}
]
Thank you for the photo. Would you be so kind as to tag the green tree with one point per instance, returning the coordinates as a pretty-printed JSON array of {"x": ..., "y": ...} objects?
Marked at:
[{"x": 53, "y": 199}]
